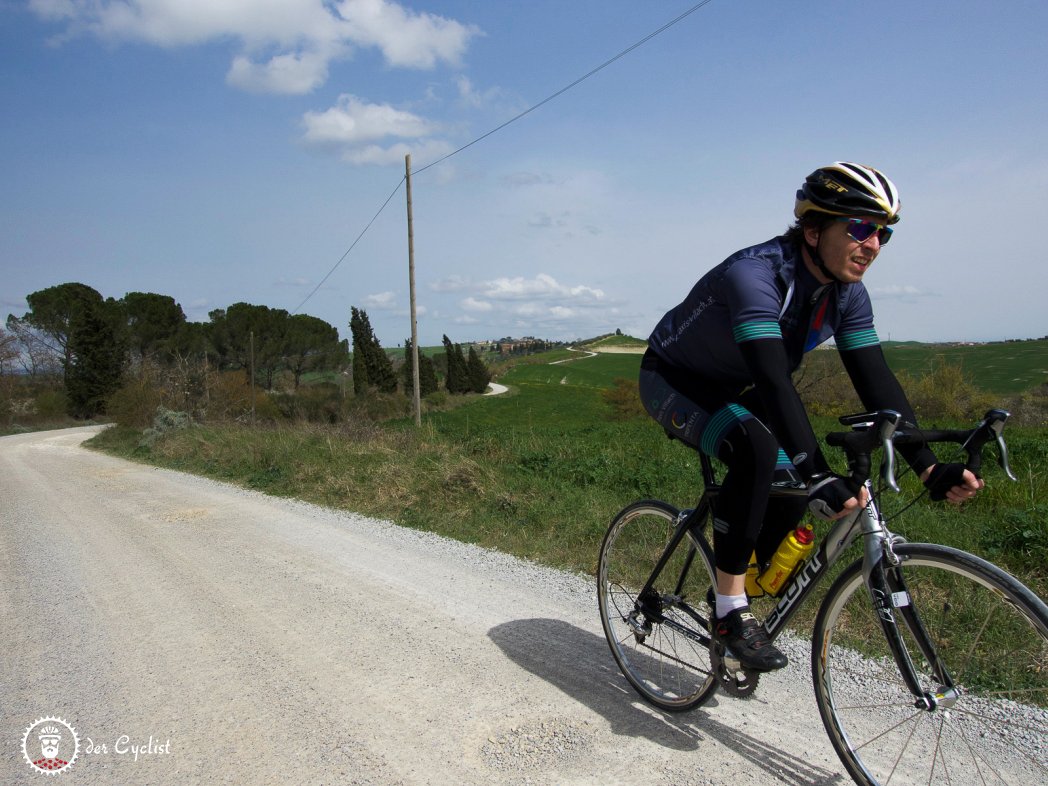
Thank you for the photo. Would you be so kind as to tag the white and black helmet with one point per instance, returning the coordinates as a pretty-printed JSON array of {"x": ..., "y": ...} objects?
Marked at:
[{"x": 846, "y": 189}]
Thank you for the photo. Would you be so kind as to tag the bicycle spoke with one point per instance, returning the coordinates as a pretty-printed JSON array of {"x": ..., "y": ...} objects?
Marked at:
[
  {"x": 658, "y": 641},
  {"x": 988, "y": 636}
]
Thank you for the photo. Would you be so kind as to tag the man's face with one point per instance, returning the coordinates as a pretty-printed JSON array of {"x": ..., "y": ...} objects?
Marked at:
[
  {"x": 846, "y": 258},
  {"x": 49, "y": 746}
]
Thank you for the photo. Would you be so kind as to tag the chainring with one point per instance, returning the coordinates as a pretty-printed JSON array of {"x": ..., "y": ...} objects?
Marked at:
[{"x": 732, "y": 677}]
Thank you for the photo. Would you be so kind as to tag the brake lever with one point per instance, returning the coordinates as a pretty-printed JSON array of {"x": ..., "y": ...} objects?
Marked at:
[
  {"x": 886, "y": 430},
  {"x": 996, "y": 418}
]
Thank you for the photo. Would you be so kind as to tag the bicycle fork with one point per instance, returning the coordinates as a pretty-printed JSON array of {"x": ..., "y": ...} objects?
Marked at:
[{"x": 891, "y": 598}]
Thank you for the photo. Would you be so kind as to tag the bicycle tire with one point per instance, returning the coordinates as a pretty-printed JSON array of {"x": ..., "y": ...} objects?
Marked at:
[
  {"x": 992, "y": 634},
  {"x": 661, "y": 645}
]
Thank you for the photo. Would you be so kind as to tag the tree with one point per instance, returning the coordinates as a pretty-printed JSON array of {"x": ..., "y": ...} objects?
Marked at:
[
  {"x": 478, "y": 373},
  {"x": 235, "y": 329},
  {"x": 371, "y": 365},
  {"x": 457, "y": 380},
  {"x": 37, "y": 353},
  {"x": 427, "y": 372},
  {"x": 52, "y": 311},
  {"x": 96, "y": 352},
  {"x": 153, "y": 321},
  {"x": 8, "y": 352},
  {"x": 311, "y": 344}
]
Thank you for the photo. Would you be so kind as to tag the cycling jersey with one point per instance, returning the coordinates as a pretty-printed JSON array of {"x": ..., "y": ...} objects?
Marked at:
[
  {"x": 747, "y": 324},
  {"x": 761, "y": 292}
]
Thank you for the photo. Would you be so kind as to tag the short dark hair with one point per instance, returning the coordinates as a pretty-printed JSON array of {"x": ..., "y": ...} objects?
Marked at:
[{"x": 813, "y": 219}]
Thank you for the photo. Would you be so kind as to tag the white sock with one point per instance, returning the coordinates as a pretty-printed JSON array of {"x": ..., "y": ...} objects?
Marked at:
[{"x": 728, "y": 603}]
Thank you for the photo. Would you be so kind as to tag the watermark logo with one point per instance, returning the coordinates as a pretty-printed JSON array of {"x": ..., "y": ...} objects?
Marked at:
[{"x": 50, "y": 745}]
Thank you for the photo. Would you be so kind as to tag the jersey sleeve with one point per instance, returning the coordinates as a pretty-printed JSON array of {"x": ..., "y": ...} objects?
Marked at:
[
  {"x": 751, "y": 292},
  {"x": 856, "y": 330},
  {"x": 755, "y": 303}
]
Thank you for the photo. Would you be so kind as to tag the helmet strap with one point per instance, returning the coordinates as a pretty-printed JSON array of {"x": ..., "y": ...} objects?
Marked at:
[{"x": 816, "y": 257}]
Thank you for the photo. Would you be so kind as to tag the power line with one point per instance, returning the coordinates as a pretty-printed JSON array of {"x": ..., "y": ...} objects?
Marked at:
[
  {"x": 563, "y": 90},
  {"x": 512, "y": 120},
  {"x": 362, "y": 233}
]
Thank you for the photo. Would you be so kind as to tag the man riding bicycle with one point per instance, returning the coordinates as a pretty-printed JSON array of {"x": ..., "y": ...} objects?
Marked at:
[{"x": 717, "y": 375}]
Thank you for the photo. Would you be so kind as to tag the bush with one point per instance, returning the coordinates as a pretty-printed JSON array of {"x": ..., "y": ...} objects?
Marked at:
[
  {"x": 945, "y": 394},
  {"x": 624, "y": 400},
  {"x": 135, "y": 403},
  {"x": 51, "y": 403},
  {"x": 319, "y": 403}
]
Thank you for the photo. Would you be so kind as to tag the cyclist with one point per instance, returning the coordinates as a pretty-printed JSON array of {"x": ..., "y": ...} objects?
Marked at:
[{"x": 717, "y": 375}]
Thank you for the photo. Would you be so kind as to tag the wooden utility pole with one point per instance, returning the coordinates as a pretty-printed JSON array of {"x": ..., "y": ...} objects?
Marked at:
[
  {"x": 251, "y": 336},
  {"x": 411, "y": 289}
]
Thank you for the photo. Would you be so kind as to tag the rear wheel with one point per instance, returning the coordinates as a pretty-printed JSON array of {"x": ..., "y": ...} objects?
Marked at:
[
  {"x": 660, "y": 639},
  {"x": 990, "y": 723}
]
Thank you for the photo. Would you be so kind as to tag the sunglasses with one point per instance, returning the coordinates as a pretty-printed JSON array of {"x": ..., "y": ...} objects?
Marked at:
[{"x": 860, "y": 230}]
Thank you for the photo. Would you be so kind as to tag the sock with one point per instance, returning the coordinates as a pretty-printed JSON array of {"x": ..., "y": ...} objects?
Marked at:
[{"x": 728, "y": 603}]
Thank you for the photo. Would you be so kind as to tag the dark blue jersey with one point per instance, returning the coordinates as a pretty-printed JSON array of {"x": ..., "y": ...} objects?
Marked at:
[{"x": 761, "y": 292}]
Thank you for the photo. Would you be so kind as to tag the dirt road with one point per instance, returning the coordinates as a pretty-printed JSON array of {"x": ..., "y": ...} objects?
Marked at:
[{"x": 191, "y": 632}]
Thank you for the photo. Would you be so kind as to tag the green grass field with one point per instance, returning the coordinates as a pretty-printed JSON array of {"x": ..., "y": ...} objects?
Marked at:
[{"x": 1002, "y": 367}]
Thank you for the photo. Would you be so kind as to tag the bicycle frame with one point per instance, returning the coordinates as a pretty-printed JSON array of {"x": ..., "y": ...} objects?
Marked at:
[{"x": 878, "y": 558}]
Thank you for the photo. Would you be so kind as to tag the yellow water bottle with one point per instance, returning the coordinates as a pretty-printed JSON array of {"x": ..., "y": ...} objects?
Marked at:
[
  {"x": 793, "y": 549},
  {"x": 753, "y": 589}
]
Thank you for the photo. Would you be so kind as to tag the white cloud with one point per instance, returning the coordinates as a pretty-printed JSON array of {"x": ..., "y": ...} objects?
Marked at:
[
  {"x": 541, "y": 286},
  {"x": 472, "y": 304},
  {"x": 406, "y": 38},
  {"x": 353, "y": 121},
  {"x": 306, "y": 35},
  {"x": 355, "y": 128},
  {"x": 289, "y": 74},
  {"x": 471, "y": 97},
  {"x": 385, "y": 301}
]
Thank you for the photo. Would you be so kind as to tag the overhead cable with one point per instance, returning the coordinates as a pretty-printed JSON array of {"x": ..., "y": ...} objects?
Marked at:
[{"x": 512, "y": 120}]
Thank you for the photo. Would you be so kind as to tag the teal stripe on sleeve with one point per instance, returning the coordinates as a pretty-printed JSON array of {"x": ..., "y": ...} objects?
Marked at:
[
  {"x": 857, "y": 340},
  {"x": 748, "y": 331}
]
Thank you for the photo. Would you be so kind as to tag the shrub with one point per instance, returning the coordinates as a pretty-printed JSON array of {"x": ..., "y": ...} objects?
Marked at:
[
  {"x": 135, "y": 403},
  {"x": 945, "y": 393},
  {"x": 51, "y": 403},
  {"x": 624, "y": 399}
]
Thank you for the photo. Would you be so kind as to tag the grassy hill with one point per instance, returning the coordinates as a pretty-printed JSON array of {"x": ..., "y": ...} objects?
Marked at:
[{"x": 999, "y": 367}]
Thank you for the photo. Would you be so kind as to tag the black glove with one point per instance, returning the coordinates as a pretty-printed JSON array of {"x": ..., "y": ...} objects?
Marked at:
[
  {"x": 942, "y": 478},
  {"x": 828, "y": 492}
]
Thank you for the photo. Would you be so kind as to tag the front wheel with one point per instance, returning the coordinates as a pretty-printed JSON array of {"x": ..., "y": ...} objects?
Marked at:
[
  {"x": 660, "y": 638},
  {"x": 989, "y": 719}
]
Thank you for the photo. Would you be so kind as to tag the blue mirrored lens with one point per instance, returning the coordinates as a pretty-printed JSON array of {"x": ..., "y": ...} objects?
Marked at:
[{"x": 860, "y": 231}]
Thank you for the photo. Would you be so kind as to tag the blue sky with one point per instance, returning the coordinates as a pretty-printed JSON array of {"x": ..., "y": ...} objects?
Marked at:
[{"x": 232, "y": 150}]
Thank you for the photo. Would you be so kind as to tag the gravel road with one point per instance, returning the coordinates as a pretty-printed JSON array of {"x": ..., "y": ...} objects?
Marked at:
[{"x": 192, "y": 632}]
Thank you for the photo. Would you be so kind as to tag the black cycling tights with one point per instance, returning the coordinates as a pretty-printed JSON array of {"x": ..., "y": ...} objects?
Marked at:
[
  {"x": 725, "y": 426},
  {"x": 744, "y": 519}
]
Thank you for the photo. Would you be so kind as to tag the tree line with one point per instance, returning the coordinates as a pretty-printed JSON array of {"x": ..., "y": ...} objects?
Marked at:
[{"x": 96, "y": 346}]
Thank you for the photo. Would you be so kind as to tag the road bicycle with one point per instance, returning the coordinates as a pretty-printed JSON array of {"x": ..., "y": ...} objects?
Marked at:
[{"x": 930, "y": 665}]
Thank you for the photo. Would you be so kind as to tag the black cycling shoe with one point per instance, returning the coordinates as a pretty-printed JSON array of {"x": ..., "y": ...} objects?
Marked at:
[{"x": 740, "y": 633}]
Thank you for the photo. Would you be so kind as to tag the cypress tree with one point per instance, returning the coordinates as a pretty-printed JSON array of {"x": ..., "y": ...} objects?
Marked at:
[
  {"x": 96, "y": 359},
  {"x": 479, "y": 377}
]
